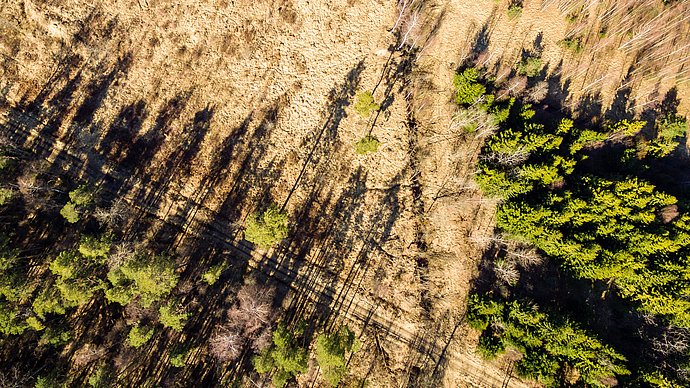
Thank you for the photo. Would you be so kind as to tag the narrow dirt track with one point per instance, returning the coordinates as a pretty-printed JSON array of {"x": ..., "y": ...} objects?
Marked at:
[{"x": 21, "y": 128}]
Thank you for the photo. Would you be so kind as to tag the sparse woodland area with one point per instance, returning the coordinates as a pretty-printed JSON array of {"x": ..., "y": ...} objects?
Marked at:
[{"x": 222, "y": 194}]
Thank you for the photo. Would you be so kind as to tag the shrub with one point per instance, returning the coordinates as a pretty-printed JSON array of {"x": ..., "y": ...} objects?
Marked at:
[
  {"x": 213, "y": 274},
  {"x": 100, "y": 379},
  {"x": 169, "y": 318},
  {"x": 530, "y": 66},
  {"x": 467, "y": 89},
  {"x": 514, "y": 11},
  {"x": 46, "y": 382},
  {"x": 267, "y": 229},
  {"x": 573, "y": 44},
  {"x": 366, "y": 104},
  {"x": 367, "y": 144},
  {"x": 178, "y": 357},
  {"x": 139, "y": 335}
]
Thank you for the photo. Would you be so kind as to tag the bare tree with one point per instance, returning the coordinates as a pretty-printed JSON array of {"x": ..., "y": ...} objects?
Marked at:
[
  {"x": 87, "y": 354},
  {"x": 538, "y": 92},
  {"x": 121, "y": 252},
  {"x": 262, "y": 341},
  {"x": 525, "y": 256},
  {"x": 506, "y": 271},
  {"x": 472, "y": 120},
  {"x": 669, "y": 213},
  {"x": 673, "y": 340},
  {"x": 254, "y": 308},
  {"x": 507, "y": 159},
  {"x": 248, "y": 319},
  {"x": 412, "y": 28},
  {"x": 115, "y": 215},
  {"x": 35, "y": 187},
  {"x": 514, "y": 86},
  {"x": 125, "y": 357},
  {"x": 13, "y": 378},
  {"x": 226, "y": 345}
]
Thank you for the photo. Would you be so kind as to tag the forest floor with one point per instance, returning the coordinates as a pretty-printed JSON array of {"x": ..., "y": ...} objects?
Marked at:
[{"x": 202, "y": 112}]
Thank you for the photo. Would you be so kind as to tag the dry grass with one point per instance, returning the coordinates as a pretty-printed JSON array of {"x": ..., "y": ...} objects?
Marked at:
[{"x": 264, "y": 73}]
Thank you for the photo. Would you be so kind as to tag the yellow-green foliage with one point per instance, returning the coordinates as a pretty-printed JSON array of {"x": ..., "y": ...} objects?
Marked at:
[
  {"x": 212, "y": 275},
  {"x": 530, "y": 66},
  {"x": 178, "y": 357},
  {"x": 11, "y": 321},
  {"x": 547, "y": 343},
  {"x": 600, "y": 229},
  {"x": 6, "y": 196},
  {"x": 34, "y": 323},
  {"x": 467, "y": 87},
  {"x": 331, "y": 352},
  {"x": 366, "y": 104},
  {"x": 268, "y": 228},
  {"x": 95, "y": 248},
  {"x": 48, "y": 301},
  {"x": 626, "y": 128},
  {"x": 286, "y": 359},
  {"x": 55, "y": 337},
  {"x": 80, "y": 199},
  {"x": 514, "y": 11},
  {"x": 99, "y": 379},
  {"x": 169, "y": 318},
  {"x": 573, "y": 44},
  {"x": 669, "y": 130},
  {"x": 81, "y": 196},
  {"x": 148, "y": 277},
  {"x": 74, "y": 269},
  {"x": 139, "y": 335},
  {"x": 367, "y": 144},
  {"x": 70, "y": 212},
  {"x": 605, "y": 223},
  {"x": 46, "y": 382}
]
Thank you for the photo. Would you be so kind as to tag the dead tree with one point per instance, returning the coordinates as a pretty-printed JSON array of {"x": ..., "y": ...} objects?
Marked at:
[
  {"x": 248, "y": 320},
  {"x": 253, "y": 310},
  {"x": 506, "y": 271},
  {"x": 115, "y": 215},
  {"x": 226, "y": 344}
]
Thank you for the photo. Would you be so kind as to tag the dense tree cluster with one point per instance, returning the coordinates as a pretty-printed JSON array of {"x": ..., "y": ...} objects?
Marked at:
[
  {"x": 584, "y": 198},
  {"x": 550, "y": 346}
]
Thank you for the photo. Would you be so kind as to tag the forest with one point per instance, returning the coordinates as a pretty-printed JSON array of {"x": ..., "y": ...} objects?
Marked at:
[
  {"x": 584, "y": 214},
  {"x": 408, "y": 193}
]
